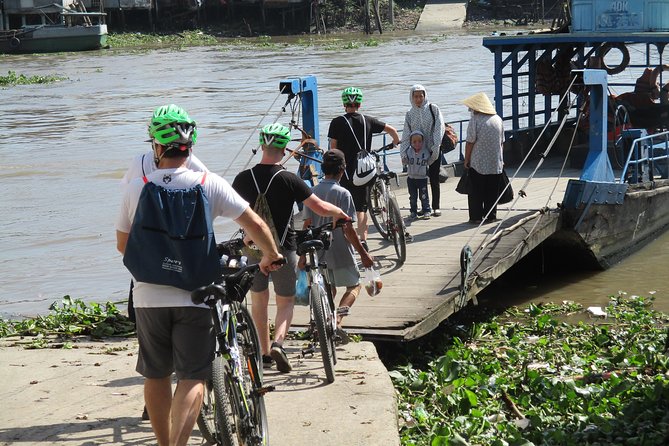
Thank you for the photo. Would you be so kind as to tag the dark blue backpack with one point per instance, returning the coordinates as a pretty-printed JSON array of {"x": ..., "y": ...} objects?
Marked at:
[{"x": 171, "y": 241}]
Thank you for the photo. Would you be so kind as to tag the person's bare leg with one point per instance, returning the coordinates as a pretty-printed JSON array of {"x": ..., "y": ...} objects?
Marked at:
[
  {"x": 284, "y": 317},
  {"x": 362, "y": 225},
  {"x": 158, "y": 400},
  {"x": 185, "y": 409},
  {"x": 347, "y": 300},
  {"x": 260, "y": 302}
]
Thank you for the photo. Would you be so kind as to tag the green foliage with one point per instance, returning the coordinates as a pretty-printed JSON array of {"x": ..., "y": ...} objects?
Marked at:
[
  {"x": 526, "y": 377},
  {"x": 180, "y": 39},
  {"x": 70, "y": 318},
  {"x": 21, "y": 79}
]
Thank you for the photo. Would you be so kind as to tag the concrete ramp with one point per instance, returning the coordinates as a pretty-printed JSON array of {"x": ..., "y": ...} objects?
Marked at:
[{"x": 442, "y": 15}]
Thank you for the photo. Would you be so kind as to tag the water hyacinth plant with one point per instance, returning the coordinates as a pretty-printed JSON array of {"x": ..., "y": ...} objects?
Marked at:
[
  {"x": 71, "y": 317},
  {"x": 533, "y": 378}
]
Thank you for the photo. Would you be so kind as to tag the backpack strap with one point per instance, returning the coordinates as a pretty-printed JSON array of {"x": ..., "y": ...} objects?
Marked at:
[
  {"x": 268, "y": 184},
  {"x": 434, "y": 117},
  {"x": 144, "y": 178},
  {"x": 364, "y": 131}
]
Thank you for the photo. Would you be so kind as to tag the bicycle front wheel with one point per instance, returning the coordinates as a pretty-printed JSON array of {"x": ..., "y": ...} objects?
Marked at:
[
  {"x": 397, "y": 230},
  {"x": 324, "y": 325},
  {"x": 378, "y": 207},
  {"x": 206, "y": 421}
]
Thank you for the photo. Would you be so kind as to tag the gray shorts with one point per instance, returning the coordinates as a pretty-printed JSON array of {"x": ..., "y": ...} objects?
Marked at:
[
  {"x": 283, "y": 279},
  {"x": 344, "y": 277},
  {"x": 175, "y": 339}
]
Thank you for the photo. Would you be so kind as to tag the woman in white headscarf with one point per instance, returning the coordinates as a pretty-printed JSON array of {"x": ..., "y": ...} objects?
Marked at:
[
  {"x": 483, "y": 157},
  {"x": 426, "y": 118}
]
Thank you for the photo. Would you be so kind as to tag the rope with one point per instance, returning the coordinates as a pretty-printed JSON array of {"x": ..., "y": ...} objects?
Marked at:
[{"x": 255, "y": 150}]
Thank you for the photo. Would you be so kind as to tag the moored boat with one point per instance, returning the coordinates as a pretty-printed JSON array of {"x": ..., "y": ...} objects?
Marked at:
[{"x": 62, "y": 28}]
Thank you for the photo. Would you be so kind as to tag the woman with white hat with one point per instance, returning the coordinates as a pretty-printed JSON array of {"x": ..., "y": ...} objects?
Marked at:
[{"x": 483, "y": 157}]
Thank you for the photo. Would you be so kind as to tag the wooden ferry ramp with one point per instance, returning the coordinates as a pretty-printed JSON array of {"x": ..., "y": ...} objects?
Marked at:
[{"x": 423, "y": 292}]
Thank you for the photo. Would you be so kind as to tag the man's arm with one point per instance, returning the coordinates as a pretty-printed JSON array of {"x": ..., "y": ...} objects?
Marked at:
[
  {"x": 389, "y": 129},
  {"x": 258, "y": 231},
  {"x": 121, "y": 241},
  {"x": 333, "y": 143},
  {"x": 352, "y": 236},
  {"x": 324, "y": 209}
]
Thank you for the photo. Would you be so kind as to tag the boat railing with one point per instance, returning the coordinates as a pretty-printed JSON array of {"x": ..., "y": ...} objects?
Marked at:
[{"x": 648, "y": 157}]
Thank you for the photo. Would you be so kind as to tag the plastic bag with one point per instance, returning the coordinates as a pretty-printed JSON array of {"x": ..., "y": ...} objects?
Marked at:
[
  {"x": 372, "y": 281},
  {"x": 302, "y": 288}
]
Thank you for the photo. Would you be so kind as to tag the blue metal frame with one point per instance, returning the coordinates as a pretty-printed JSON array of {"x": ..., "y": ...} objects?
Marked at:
[{"x": 306, "y": 88}]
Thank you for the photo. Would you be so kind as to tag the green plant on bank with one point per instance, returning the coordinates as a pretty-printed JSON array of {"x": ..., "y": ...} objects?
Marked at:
[
  {"x": 13, "y": 78},
  {"x": 71, "y": 317},
  {"x": 182, "y": 38},
  {"x": 529, "y": 378}
]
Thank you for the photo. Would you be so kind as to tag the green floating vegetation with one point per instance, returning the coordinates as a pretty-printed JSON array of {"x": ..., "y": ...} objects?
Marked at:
[
  {"x": 184, "y": 38},
  {"x": 69, "y": 318},
  {"x": 21, "y": 79},
  {"x": 532, "y": 378}
]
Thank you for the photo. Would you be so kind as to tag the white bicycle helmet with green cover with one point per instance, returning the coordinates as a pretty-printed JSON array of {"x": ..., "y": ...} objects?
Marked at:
[
  {"x": 275, "y": 135},
  {"x": 351, "y": 95},
  {"x": 170, "y": 125}
]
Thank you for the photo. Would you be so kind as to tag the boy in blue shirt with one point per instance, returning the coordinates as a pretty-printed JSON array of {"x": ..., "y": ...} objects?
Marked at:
[{"x": 342, "y": 266}]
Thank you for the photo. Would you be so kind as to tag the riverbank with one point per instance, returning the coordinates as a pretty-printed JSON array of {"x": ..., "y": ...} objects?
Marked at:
[{"x": 90, "y": 394}]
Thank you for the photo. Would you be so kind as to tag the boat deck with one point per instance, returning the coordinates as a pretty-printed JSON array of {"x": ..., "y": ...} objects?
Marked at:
[{"x": 423, "y": 292}]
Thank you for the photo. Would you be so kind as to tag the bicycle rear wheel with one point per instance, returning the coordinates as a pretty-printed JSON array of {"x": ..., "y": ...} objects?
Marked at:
[
  {"x": 323, "y": 322},
  {"x": 397, "y": 230},
  {"x": 255, "y": 430},
  {"x": 378, "y": 207},
  {"x": 216, "y": 420}
]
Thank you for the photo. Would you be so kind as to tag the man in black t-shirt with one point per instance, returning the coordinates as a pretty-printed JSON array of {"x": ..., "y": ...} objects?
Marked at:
[
  {"x": 350, "y": 133},
  {"x": 282, "y": 189}
]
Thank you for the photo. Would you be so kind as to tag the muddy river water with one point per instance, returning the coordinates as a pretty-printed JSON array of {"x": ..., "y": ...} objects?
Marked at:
[{"x": 64, "y": 147}]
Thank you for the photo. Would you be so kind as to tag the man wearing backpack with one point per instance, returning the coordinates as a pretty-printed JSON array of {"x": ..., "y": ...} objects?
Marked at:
[
  {"x": 176, "y": 336},
  {"x": 279, "y": 191},
  {"x": 352, "y": 133}
]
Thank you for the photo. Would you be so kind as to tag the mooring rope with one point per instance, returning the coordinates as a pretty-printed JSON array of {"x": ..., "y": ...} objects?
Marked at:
[{"x": 255, "y": 129}]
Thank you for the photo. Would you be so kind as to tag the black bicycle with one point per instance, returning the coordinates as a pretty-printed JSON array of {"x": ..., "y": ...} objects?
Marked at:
[
  {"x": 233, "y": 410},
  {"x": 323, "y": 319},
  {"x": 384, "y": 209}
]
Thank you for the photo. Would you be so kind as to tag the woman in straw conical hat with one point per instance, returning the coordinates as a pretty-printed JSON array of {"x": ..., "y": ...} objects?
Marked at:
[{"x": 483, "y": 157}]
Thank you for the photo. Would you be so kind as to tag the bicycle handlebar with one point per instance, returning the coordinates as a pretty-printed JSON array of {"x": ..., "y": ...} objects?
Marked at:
[
  {"x": 384, "y": 148},
  {"x": 234, "y": 287}
]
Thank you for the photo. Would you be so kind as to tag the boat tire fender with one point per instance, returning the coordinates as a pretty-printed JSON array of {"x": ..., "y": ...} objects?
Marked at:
[
  {"x": 608, "y": 46},
  {"x": 15, "y": 42}
]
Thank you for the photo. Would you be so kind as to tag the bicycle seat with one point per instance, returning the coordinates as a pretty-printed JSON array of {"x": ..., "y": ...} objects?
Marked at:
[{"x": 307, "y": 246}]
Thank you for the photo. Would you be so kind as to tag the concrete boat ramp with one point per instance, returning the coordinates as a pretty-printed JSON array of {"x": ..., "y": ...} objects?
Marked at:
[{"x": 442, "y": 15}]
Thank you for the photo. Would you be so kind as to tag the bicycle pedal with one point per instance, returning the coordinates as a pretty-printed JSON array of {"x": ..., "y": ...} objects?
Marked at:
[
  {"x": 264, "y": 390},
  {"x": 308, "y": 351}
]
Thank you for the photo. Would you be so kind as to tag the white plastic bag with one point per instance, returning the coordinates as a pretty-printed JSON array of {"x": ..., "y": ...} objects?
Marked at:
[{"x": 371, "y": 279}]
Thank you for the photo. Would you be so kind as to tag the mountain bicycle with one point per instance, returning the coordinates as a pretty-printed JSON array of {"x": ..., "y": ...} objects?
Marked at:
[
  {"x": 323, "y": 318},
  {"x": 233, "y": 409},
  {"x": 384, "y": 209}
]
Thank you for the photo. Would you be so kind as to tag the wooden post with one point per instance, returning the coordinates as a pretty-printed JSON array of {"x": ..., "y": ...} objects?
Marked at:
[
  {"x": 368, "y": 25},
  {"x": 391, "y": 15}
]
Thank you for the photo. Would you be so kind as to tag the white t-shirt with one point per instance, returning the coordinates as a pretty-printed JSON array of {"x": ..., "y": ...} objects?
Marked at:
[
  {"x": 224, "y": 201},
  {"x": 146, "y": 161}
]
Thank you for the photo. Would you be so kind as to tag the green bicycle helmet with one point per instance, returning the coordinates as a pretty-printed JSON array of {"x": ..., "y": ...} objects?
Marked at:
[
  {"x": 275, "y": 135},
  {"x": 171, "y": 125},
  {"x": 351, "y": 95}
]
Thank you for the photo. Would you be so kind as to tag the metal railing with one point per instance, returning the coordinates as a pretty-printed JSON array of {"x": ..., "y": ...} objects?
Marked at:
[{"x": 648, "y": 159}]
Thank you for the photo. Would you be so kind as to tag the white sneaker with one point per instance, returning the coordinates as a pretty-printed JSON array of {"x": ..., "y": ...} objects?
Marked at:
[{"x": 436, "y": 213}]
